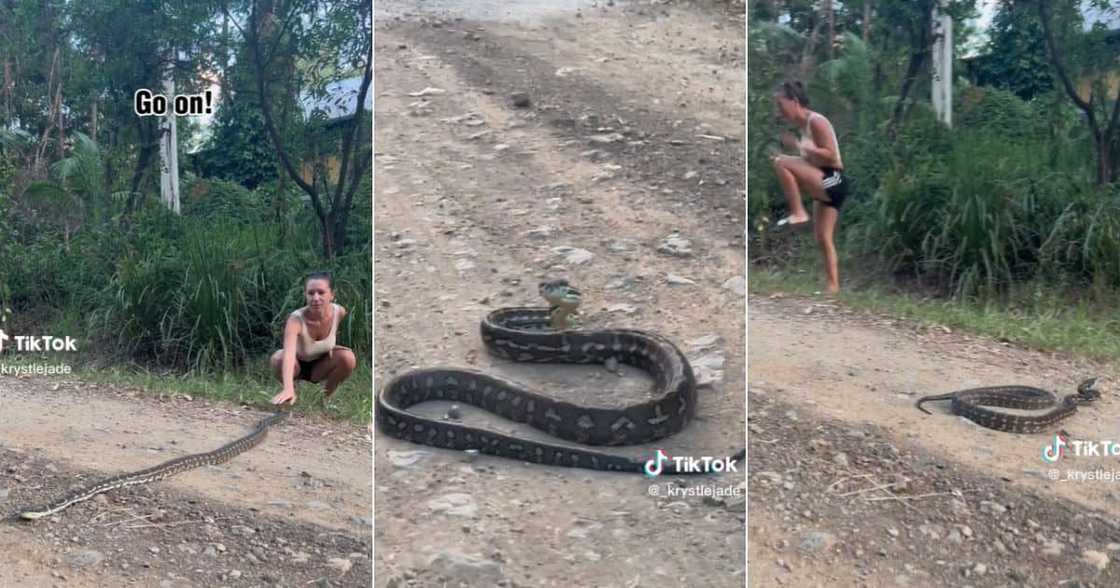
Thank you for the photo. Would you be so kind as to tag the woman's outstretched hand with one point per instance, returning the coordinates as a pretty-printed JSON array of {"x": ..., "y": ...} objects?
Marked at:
[{"x": 288, "y": 396}]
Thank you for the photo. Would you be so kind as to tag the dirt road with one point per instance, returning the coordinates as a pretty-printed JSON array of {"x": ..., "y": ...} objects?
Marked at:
[
  {"x": 621, "y": 169},
  {"x": 294, "y": 510},
  {"x": 850, "y": 485}
]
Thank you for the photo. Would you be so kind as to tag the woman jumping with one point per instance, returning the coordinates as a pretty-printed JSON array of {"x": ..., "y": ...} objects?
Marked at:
[{"x": 818, "y": 169}]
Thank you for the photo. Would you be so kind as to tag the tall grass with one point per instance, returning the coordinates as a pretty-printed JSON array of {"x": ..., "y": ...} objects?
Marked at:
[{"x": 220, "y": 297}]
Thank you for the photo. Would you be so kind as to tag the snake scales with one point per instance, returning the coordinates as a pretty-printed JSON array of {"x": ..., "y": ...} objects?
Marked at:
[
  {"x": 537, "y": 334},
  {"x": 161, "y": 471},
  {"x": 970, "y": 404}
]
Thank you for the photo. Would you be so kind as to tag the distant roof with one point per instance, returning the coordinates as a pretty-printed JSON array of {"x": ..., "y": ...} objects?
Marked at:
[{"x": 339, "y": 100}]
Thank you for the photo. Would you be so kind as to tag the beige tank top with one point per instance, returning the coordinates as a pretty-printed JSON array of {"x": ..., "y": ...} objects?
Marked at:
[
  {"x": 807, "y": 138},
  {"x": 308, "y": 349}
]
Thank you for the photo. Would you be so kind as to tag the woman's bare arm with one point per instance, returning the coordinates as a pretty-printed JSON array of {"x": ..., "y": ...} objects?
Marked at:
[{"x": 824, "y": 152}]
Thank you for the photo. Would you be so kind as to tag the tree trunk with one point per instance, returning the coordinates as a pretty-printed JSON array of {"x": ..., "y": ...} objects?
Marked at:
[
  {"x": 327, "y": 229},
  {"x": 866, "y": 20},
  {"x": 808, "y": 59},
  {"x": 1104, "y": 160},
  {"x": 148, "y": 145},
  {"x": 917, "y": 58},
  {"x": 93, "y": 121},
  {"x": 830, "y": 14},
  {"x": 1102, "y": 137}
]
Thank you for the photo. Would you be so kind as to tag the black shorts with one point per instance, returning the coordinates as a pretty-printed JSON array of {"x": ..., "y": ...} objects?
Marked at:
[
  {"x": 836, "y": 186},
  {"x": 305, "y": 368}
]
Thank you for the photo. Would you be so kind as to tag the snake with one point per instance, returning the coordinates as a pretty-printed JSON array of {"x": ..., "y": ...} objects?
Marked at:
[
  {"x": 970, "y": 404},
  {"x": 545, "y": 335},
  {"x": 164, "y": 470}
]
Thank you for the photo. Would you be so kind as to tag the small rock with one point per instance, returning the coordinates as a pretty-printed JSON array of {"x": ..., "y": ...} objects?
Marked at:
[
  {"x": 455, "y": 504},
  {"x": 738, "y": 285},
  {"x": 1053, "y": 548},
  {"x": 992, "y": 507},
  {"x": 81, "y": 558},
  {"x": 541, "y": 232},
  {"x": 1096, "y": 559},
  {"x": 676, "y": 280},
  {"x": 573, "y": 255},
  {"x": 841, "y": 459},
  {"x": 428, "y": 92},
  {"x": 980, "y": 569},
  {"x": 520, "y": 99},
  {"x": 675, "y": 245},
  {"x": 704, "y": 342},
  {"x": 471, "y": 571},
  {"x": 454, "y": 413},
  {"x": 340, "y": 564},
  {"x": 817, "y": 541},
  {"x": 607, "y": 138},
  {"x": 772, "y": 477}
]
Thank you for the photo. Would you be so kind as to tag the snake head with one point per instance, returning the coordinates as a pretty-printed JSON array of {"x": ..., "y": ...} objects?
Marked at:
[
  {"x": 1087, "y": 390},
  {"x": 559, "y": 293}
]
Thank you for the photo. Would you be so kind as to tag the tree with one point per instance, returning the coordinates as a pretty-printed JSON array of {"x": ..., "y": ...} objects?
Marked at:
[
  {"x": 913, "y": 21},
  {"x": 1016, "y": 58},
  {"x": 336, "y": 36},
  {"x": 1101, "y": 113}
]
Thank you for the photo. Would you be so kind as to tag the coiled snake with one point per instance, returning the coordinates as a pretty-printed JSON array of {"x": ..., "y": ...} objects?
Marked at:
[
  {"x": 534, "y": 334},
  {"x": 970, "y": 404},
  {"x": 161, "y": 471}
]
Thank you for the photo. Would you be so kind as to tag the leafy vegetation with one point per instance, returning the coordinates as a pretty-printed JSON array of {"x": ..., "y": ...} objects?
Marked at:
[
  {"x": 87, "y": 248},
  {"x": 1007, "y": 201}
]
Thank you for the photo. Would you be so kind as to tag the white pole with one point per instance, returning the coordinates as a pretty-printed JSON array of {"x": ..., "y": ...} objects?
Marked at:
[
  {"x": 942, "y": 86},
  {"x": 168, "y": 147}
]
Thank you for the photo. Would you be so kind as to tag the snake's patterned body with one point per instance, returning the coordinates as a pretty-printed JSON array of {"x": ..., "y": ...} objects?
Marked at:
[
  {"x": 970, "y": 404},
  {"x": 161, "y": 471},
  {"x": 530, "y": 334}
]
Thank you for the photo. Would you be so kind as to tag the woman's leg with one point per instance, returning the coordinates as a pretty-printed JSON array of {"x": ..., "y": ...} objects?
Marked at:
[
  {"x": 793, "y": 174},
  {"x": 334, "y": 369},
  {"x": 825, "y": 230}
]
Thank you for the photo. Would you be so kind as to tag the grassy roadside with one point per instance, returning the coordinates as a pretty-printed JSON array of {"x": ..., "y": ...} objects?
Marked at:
[
  {"x": 1036, "y": 317},
  {"x": 253, "y": 386}
]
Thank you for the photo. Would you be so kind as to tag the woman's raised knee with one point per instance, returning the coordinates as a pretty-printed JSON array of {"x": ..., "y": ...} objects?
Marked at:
[{"x": 346, "y": 359}]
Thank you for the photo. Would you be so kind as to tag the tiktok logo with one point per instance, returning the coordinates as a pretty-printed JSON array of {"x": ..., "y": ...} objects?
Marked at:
[
  {"x": 1054, "y": 451},
  {"x": 653, "y": 466}
]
